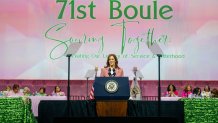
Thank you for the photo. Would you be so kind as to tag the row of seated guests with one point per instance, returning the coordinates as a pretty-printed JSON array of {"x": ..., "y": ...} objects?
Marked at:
[
  {"x": 171, "y": 92},
  {"x": 189, "y": 93},
  {"x": 16, "y": 91}
]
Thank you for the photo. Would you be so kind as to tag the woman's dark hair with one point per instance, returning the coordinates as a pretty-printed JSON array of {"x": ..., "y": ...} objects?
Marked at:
[
  {"x": 207, "y": 87},
  {"x": 55, "y": 89},
  {"x": 43, "y": 88},
  {"x": 16, "y": 86},
  {"x": 214, "y": 93},
  {"x": 186, "y": 88},
  {"x": 196, "y": 91},
  {"x": 116, "y": 61},
  {"x": 168, "y": 88}
]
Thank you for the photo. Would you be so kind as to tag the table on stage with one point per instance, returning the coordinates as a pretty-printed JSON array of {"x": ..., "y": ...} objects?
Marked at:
[
  {"x": 170, "y": 98},
  {"x": 36, "y": 100},
  {"x": 48, "y": 110},
  {"x": 16, "y": 110},
  {"x": 187, "y": 110}
]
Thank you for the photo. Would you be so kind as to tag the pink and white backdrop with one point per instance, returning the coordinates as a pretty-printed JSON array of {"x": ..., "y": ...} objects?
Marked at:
[{"x": 33, "y": 39}]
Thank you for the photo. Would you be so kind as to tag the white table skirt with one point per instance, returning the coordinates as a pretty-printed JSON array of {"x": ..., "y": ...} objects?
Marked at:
[{"x": 170, "y": 98}]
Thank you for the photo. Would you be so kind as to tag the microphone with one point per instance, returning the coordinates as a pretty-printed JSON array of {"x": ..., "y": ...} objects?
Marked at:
[
  {"x": 111, "y": 72},
  {"x": 96, "y": 71},
  {"x": 135, "y": 70}
]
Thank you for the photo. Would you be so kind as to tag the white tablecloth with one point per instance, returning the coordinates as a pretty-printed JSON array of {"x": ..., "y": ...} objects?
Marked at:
[
  {"x": 36, "y": 100},
  {"x": 170, "y": 98}
]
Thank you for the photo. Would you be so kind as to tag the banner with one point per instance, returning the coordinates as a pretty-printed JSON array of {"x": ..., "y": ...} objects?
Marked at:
[{"x": 35, "y": 35}]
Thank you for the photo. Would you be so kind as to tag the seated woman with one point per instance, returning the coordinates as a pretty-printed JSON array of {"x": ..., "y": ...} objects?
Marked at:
[
  {"x": 41, "y": 92},
  {"x": 206, "y": 92},
  {"x": 171, "y": 91},
  {"x": 196, "y": 92},
  {"x": 15, "y": 92},
  {"x": 26, "y": 91},
  {"x": 57, "y": 92},
  {"x": 1, "y": 93},
  {"x": 6, "y": 90},
  {"x": 214, "y": 93},
  {"x": 187, "y": 92}
]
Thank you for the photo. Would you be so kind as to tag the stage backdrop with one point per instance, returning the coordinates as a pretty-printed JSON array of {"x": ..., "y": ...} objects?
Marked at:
[{"x": 35, "y": 35}]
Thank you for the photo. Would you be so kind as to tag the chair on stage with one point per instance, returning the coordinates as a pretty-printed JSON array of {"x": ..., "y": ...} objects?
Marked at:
[
  {"x": 77, "y": 97},
  {"x": 150, "y": 98}
]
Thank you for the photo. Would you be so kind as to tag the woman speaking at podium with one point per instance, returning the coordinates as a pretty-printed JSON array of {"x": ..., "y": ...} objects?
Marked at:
[
  {"x": 111, "y": 108},
  {"x": 112, "y": 69}
]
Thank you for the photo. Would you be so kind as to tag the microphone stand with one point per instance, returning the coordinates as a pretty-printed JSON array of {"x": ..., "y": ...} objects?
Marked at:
[
  {"x": 159, "y": 89},
  {"x": 68, "y": 86},
  {"x": 140, "y": 80},
  {"x": 87, "y": 88}
]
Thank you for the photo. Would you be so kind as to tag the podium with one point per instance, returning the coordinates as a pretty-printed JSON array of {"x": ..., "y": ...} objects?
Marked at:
[{"x": 111, "y": 95}]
